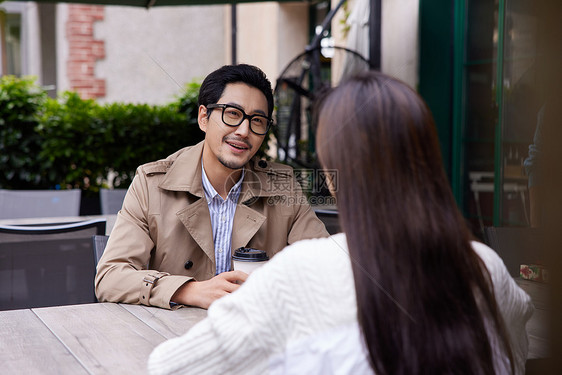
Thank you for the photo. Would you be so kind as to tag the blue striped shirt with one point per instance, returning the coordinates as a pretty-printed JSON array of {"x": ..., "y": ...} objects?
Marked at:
[{"x": 222, "y": 216}]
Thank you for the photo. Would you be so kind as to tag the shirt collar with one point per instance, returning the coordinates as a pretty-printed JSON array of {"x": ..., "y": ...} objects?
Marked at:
[{"x": 211, "y": 193}]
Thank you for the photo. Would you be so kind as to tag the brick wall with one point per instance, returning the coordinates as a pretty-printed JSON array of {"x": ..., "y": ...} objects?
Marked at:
[{"x": 84, "y": 50}]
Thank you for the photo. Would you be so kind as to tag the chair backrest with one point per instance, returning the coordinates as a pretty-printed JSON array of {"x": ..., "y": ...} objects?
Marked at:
[
  {"x": 99, "y": 242},
  {"x": 330, "y": 220},
  {"x": 516, "y": 246},
  {"x": 16, "y": 204},
  {"x": 111, "y": 200},
  {"x": 47, "y": 265}
]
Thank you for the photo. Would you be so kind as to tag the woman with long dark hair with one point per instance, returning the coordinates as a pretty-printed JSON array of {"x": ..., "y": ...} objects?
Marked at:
[
  {"x": 404, "y": 291},
  {"x": 425, "y": 298}
]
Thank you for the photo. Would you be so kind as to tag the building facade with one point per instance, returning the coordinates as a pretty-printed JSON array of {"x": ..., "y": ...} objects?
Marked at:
[{"x": 138, "y": 55}]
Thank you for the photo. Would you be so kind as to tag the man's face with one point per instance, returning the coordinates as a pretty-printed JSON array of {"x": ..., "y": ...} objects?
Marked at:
[{"x": 227, "y": 146}]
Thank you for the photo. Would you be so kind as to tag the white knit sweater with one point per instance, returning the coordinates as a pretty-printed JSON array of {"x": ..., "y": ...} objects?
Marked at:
[{"x": 298, "y": 314}]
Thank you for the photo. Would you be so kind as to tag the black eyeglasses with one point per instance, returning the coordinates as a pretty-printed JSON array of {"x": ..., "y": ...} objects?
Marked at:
[{"x": 234, "y": 116}]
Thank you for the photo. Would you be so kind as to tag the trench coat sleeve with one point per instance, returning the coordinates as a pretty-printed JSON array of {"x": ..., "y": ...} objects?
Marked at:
[{"x": 122, "y": 274}]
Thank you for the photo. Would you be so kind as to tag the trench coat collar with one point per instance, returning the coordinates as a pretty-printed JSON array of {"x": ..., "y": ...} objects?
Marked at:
[
  {"x": 184, "y": 174},
  {"x": 261, "y": 179}
]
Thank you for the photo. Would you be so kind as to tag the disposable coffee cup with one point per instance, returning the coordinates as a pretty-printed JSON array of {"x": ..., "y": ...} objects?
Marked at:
[{"x": 246, "y": 259}]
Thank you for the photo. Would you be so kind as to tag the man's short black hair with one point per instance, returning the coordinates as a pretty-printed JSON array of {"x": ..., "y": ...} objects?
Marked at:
[{"x": 213, "y": 86}]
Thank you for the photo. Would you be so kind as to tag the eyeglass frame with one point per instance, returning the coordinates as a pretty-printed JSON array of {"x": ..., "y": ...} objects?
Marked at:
[{"x": 244, "y": 116}]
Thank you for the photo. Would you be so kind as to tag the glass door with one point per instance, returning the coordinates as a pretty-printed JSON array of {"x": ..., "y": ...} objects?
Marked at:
[
  {"x": 522, "y": 102},
  {"x": 494, "y": 111}
]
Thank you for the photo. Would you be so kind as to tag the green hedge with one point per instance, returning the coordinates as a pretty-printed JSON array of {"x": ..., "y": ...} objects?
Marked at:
[
  {"x": 70, "y": 142},
  {"x": 21, "y": 102}
]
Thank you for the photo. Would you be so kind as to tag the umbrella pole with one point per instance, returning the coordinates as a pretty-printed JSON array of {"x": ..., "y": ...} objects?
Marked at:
[
  {"x": 3, "y": 50},
  {"x": 233, "y": 32},
  {"x": 375, "y": 35}
]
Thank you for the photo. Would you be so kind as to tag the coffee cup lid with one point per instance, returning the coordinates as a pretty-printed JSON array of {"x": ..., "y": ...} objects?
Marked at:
[{"x": 247, "y": 254}]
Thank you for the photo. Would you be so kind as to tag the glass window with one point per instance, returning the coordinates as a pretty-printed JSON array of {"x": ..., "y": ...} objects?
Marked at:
[
  {"x": 521, "y": 103},
  {"x": 479, "y": 113},
  {"x": 499, "y": 117},
  {"x": 13, "y": 44}
]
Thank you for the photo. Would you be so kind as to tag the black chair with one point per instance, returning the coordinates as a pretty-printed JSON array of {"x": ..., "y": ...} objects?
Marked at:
[
  {"x": 47, "y": 265},
  {"x": 99, "y": 242},
  {"x": 330, "y": 220},
  {"x": 516, "y": 246}
]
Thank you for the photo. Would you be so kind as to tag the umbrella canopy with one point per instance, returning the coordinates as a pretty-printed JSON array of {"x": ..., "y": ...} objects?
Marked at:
[
  {"x": 152, "y": 3},
  {"x": 358, "y": 36}
]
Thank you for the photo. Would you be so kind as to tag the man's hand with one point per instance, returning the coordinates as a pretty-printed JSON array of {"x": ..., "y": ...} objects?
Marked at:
[{"x": 203, "y": 293}]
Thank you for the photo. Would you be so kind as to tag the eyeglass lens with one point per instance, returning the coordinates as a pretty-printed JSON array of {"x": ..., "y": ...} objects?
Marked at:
[{"x": 233, "y": 116}]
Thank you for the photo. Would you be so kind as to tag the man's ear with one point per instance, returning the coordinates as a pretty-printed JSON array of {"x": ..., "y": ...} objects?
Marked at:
[{"x": 202, "y": 118}]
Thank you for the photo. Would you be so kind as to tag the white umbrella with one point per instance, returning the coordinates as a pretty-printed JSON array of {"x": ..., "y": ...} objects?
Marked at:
[{"x": 357, "y": 37}]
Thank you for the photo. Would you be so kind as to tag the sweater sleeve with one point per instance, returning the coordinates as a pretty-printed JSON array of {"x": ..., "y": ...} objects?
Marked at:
[
  {"x": 517, "y": 309},
  {"x": 240, "y": 332},
  {"x": 515, "y": 305},
  {"x": 281, "y": 302}
]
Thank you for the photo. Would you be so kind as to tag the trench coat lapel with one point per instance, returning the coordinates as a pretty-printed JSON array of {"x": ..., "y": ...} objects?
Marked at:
[
  {"x": 246, "y": 223},
  {"x": 246, "y": 220},
  {"x": 256, "y": 185},
  {"x": 197, "y": 221},
  {"x": 185, "y": 175}
]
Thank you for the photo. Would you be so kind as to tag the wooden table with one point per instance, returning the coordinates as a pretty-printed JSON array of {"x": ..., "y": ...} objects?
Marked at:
[
  {"x": 99, "y": 338},
  {"x": 109, "y": 338}
]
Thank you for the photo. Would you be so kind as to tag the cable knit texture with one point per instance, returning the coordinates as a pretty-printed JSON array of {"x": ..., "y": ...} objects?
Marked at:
[{"x": 298, "y": 313}]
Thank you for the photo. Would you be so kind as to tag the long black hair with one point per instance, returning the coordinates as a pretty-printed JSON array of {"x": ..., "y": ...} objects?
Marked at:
[{"x": 425, "y": 299}]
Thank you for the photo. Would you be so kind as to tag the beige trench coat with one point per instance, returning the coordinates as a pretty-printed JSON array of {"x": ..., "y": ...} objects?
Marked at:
[{"x": 163, "y": 238}]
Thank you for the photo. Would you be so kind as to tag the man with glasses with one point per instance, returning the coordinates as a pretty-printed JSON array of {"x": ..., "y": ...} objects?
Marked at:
[{"x": 183, "y": 216}]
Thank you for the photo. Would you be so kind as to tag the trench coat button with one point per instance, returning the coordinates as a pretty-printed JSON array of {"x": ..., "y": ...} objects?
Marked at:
[
  {"x": 188, "y": 264},
  {"x": 262, "y": 163}
]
